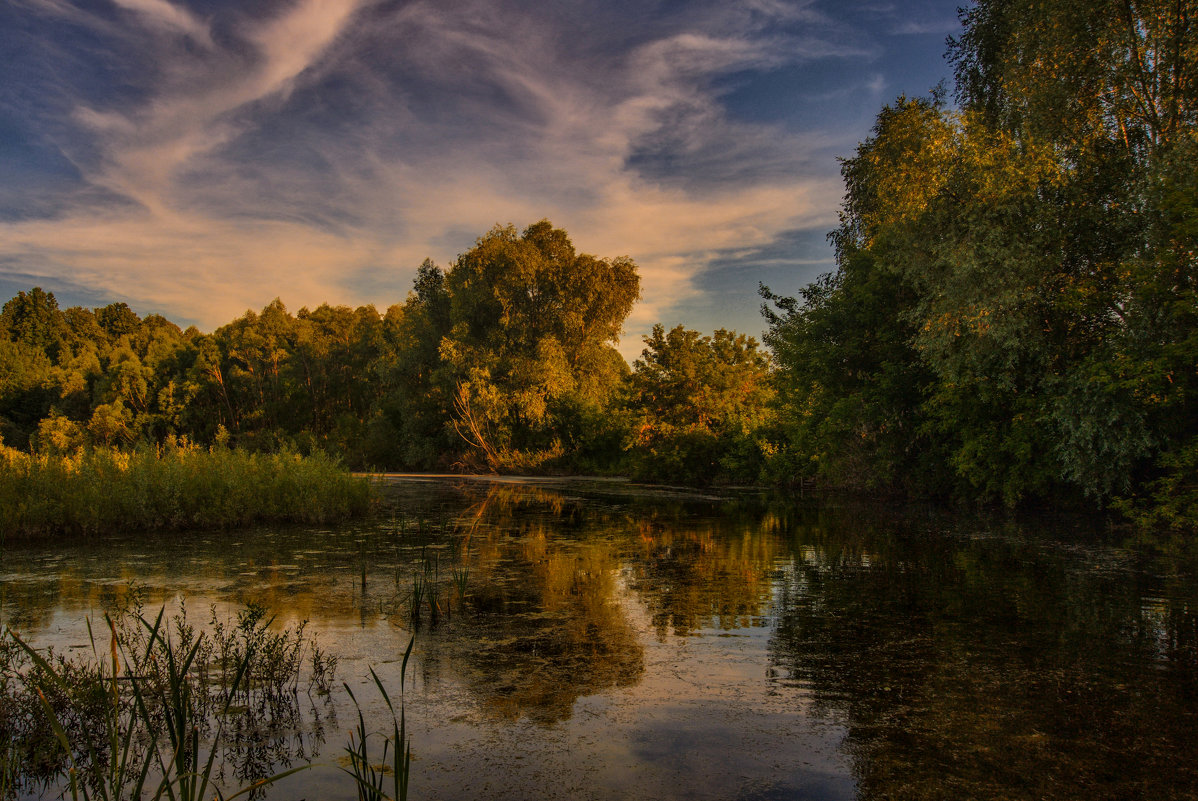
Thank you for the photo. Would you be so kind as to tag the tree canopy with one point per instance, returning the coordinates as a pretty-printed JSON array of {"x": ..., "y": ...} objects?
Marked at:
[
  {"x": 1013, "y": 313},
  {"x": 1013, "y": 317},
  {"x": 506, "y": 360}
]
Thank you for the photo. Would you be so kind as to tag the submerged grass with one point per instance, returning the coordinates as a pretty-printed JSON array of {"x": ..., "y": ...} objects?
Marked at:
[{"x": 171, "y": 488}]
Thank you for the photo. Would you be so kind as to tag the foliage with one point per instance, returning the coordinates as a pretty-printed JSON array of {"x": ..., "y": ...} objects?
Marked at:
[
  {"x": 1013, "y": 313},
  {"x": 849, "y": 381},
  {"x": 502, "y": 362},
  {"x": 179, "y": 486},
  {"x": 532, "y": 322},
  {"x": 700, "y": 407}
]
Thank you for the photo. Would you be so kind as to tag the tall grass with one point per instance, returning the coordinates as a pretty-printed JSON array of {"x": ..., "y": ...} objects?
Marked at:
[
  {"x": 141, "y": 726},
  {"x": 370, "y": 769},
  {"x": 152, "y": 713},
  {"x": 177, "y": 487}
]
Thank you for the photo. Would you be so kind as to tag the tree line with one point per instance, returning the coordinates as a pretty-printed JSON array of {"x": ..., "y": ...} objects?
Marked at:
[
  {"x": 504, "y": 361},
  {"x": 1013, "y": 317}
]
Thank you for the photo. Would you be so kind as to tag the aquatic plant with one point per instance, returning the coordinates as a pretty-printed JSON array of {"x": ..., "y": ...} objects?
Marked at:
[
  {"x": 419, "y": 589},
  {"x": 141, "y": 716},
  {"x": 434, "y": 606},
  {"x": 370, "y": 775},
  {"x": 322, "y": 667},
  {"x": 426, "y": 583},
  {"x": 127, "y": 752},
  {"x": 175, "y": 487},
  {"x": 461, "y": 580}
]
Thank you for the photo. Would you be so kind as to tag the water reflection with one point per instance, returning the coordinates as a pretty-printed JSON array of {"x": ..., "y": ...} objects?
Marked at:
[
  {"x": 733, "y": 647},
  {"x": 995, "y": 667},
  {"x": 705, "y": 575},
  {"x": 538, "y": 625}
]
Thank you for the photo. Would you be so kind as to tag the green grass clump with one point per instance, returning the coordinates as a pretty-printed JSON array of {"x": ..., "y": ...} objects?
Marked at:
[
  {"x": 150, "y": 715},
  {"x": 177, "y": 487},
  {"x": 163, "y": 709}
]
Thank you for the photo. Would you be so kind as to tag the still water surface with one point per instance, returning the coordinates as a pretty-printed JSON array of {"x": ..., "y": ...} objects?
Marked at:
[{"x": 596, "y": 640}]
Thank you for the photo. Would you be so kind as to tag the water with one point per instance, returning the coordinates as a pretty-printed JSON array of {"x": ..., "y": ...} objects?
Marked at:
[{"x": 606, "y": 641}]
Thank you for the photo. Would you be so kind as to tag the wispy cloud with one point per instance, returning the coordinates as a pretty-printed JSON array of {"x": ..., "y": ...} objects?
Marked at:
[
  {"x": 942, "y": 26},
  {"x": 170, "y": 18},
  {"x": 306, "y": 151},
  {"x": 143, "y": 147}
]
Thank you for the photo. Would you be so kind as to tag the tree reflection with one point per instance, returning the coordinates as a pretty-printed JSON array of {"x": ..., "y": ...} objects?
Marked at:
[
  {"x": 543, "y": 626},
  {"x": 990, "y": 667},
  {"x": 997, "y": 665},
  {"x": 548, "y": 625},
  {"x": 711, "y": 574}
]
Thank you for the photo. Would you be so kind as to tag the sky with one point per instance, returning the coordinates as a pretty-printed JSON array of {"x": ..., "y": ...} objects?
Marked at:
[{"x": 198, "y": 158}]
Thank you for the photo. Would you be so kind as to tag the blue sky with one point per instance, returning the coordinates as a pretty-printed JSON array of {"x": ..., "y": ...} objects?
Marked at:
[{"x": 197, "y": 158}]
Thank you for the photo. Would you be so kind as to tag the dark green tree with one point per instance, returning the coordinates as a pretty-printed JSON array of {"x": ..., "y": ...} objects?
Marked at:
[
  {"x": 414, "y": 409},
  {"x": 1036, "y": 247}
]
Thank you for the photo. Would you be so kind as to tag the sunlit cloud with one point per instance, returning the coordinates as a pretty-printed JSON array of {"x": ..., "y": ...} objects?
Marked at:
[
  {"x": 320, "y": 150},
  {"x": 169, "y": 17}
]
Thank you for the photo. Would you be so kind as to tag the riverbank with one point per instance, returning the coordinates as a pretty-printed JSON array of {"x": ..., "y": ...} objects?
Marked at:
[{"x": 104, "y": 490}]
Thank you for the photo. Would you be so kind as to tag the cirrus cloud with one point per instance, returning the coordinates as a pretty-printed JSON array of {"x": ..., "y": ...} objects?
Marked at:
[{"x": 318, "y": 150}]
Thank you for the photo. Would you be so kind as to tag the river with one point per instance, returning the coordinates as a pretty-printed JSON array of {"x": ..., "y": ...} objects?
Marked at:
[{"x": 593, "y": 639}]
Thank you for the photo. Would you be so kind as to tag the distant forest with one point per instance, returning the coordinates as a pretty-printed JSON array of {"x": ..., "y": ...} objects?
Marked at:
[{"x": 1013, "y": 318}]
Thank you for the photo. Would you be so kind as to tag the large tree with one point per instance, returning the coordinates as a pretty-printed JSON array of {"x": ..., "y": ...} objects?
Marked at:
[
  {"x": 1036, "y": 246},
  {"x": 532, "y": 327}
]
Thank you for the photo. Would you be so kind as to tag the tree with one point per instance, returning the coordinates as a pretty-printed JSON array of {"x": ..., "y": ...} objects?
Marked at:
[
  {"x": 33, "y": 319},
  {"x": 1112, "y": 87},
  {"x": 851, "y": 384},
  {"x": 414, "y": 405},
  {"x": 27, "y": 393},
  {"x": 117, "y": 320},
  {"x": 58, "y": 435},
  {"x": 701, "y": 405},
  {"x": 1018, "y": 274},
  {"x": 1082, "y": 73},
  {"x": 531, "y": 323},
  {"x": 111, "y": 424}
]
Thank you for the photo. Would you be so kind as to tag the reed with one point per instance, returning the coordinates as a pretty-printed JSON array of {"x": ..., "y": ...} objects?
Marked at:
[
  {"x": 426, "y": 588},
  {"x": 369, "y": 772},
  {"x": 434, "y": 607},
  {"x": 145, "y": 736},
  {"x": 146, "y": 716},
  {"x": 177, "y": 487},
  {"x": 461, "y": 581},
  {"x": 419, "y": 591}
]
